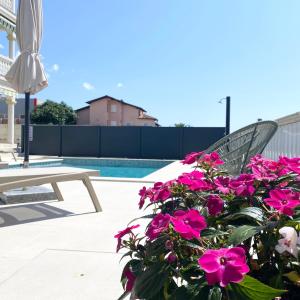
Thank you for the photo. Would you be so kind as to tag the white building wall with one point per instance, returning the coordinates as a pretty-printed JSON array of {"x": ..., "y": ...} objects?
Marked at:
[
  {"x": 17, "y": 135},
  {"x": 286, "y": 141}
]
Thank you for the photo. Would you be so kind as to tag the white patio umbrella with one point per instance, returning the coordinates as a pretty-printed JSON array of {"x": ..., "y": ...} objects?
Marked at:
[{"x": 27, "y": 74}]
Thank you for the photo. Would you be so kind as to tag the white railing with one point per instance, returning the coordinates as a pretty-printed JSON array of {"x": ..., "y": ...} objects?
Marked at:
[
  {"x": 5, "y": 64},
  {"x": 8, "y": 4}
]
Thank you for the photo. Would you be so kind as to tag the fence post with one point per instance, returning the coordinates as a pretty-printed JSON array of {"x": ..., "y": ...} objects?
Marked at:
[
  {"x": 99, "y": 142},
  {"x": 140, "y": 141},
  {"x": 181, "y": 142},
  {"x": 60, "y": 141}
]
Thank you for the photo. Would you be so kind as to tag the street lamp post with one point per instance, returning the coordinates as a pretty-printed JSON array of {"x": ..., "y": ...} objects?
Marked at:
[
  {"x": 227, "y": 128},
  {"x": 227, "y": 125}
]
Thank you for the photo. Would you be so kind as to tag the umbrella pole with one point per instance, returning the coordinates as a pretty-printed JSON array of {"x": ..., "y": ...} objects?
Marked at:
[{"x": 26, "y": 131}]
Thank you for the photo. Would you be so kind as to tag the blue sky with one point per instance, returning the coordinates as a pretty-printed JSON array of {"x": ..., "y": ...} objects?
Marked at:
[{"x": 176, "y": 58}]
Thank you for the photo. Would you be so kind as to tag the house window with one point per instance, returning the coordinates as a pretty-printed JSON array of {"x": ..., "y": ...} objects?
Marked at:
[
  {"x": 113, "y": 123},
  {"x": 113, "y": 108}
]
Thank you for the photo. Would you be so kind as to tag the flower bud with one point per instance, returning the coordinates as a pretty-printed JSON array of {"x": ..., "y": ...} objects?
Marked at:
[
  {"x": 169, "y": 245},
  {"x": 171, "y": 258}
]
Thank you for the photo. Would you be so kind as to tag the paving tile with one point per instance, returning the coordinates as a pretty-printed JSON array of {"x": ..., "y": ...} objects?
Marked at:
[{"x": 57, "y": 274}]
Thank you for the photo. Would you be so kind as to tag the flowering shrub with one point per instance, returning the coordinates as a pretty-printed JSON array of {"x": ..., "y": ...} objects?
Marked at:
[{"x": 215, "y": 236}]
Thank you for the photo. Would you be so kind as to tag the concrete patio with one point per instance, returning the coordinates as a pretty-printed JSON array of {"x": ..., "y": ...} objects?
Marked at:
[{"x": 63, "y": 250}]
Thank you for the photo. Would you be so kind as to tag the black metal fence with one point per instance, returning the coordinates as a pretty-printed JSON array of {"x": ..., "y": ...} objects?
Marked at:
[{"x": 129, "y": 142}]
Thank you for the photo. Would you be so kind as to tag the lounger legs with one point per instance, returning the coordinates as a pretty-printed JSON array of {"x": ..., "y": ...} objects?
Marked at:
[
  {"x": 13, "y": 154},
  {"x": 57, "y": 191},
  {"x": 92, "y": 193},
  {"x": 89, "y": 187}
]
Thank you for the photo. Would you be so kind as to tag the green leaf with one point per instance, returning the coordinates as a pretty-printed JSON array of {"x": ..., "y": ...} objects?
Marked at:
[
  {"x": 193, "y": 293},
  {"x": 242, "y": 233},
  {"x": 190, "y": 272},
  {"x": 135, "y": 265},
  {"x": 253, "y": 213},
  {"x": 156, "y": 247},
  {"x": 129, "y": 253},
  {"x": 181, "y": 294},
  {"x": 123, "y": 296},
  {"x": 252, "y": 289},
  {"x": 150, "y": 282},
  {"x": 289, "y": 176},
  {"x": 212, "y": 232},
  {"x": 215, "y": 293},
  {"x": 203, "y": 294},
  {"x": 151, "y": 216}
]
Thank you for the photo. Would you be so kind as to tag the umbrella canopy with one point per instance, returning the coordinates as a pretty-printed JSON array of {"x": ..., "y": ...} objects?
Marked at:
[{"x": 27, "y": 74}]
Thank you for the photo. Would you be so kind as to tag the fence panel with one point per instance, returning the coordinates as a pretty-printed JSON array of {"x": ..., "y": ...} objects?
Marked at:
[
  {"x": 120, "y": 142},
  {"x": 46, "y": 140},
  {"x": 123, "y": 142},
  {"x": 162, "y": 142},
  {"x": 200, "y": 138},
  {"x": 80, "y": 140}
]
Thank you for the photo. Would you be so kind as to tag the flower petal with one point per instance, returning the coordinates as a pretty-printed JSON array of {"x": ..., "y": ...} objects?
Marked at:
[{"x": 210, "y": 261}]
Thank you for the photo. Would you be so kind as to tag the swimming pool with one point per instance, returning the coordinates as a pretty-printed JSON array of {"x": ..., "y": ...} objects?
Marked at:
[{"x": 130, "y": 168}]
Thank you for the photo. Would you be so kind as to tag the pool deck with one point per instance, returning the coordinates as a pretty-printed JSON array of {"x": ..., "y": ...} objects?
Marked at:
[{"x": 64, "y": 250}]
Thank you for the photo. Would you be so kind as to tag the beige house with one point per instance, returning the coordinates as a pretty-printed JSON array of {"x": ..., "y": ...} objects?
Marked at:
[{"x": 109, "y": 111}]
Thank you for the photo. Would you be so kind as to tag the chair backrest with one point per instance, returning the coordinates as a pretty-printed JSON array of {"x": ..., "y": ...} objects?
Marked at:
[{"x": 237, "y": 148}]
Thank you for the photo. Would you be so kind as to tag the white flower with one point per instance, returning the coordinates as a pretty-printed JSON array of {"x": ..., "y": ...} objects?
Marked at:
[{"x": 289, "y": 241}]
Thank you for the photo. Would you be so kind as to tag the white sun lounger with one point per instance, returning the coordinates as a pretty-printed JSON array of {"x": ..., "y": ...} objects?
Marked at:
[
  {"x": 19, "y": 178},
  {"x": 8, "y": 149}
]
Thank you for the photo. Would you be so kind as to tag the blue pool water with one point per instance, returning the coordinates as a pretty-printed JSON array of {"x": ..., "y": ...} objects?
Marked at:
[
  {"x": 131, "y": 168},
  {"x": 120, "y": 171}
]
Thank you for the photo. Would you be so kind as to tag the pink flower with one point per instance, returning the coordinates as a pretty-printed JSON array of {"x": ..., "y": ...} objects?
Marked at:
[
  {"x": 259, "y": 160},
  {"x": 159, "y": 224},
  {"x": 195, "y": 181},
  {"x": 222, "y": 184},
  {"x": 291, "y": 164},
  {"x": 121, "y": 233},
  {"x": 170, "y": 183},
  {"x": 188, "y": 223},
  {"x": 261, "y": 173},
  {"x": 243, "y": 185},
  {"x": 143, "y": 193},
  {"x": 212, "y": 160},
  {"x": 215, "y": 205},
  {"x": 263, "y": 168},
  {"x": 130, "y": 280},
  {"x": 224, "y": 265},
  {"x": 191, "y": 158},
  {"x": 159, "y": 192},
  {"x": 283, "y": 200}
]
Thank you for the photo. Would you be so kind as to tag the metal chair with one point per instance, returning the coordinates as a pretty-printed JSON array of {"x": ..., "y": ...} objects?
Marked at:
[{"x": 237, "y": 148}]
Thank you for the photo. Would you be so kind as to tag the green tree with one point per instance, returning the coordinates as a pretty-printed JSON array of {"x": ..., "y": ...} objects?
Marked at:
[
  {"x": 181, "y": 125},
  {"x": 51, "y": 112}
]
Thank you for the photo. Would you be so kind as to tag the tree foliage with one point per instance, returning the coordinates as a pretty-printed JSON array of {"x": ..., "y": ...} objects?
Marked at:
[
  {"x": 181, "y": 125},
  {"x": 51, "y": 112}
]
